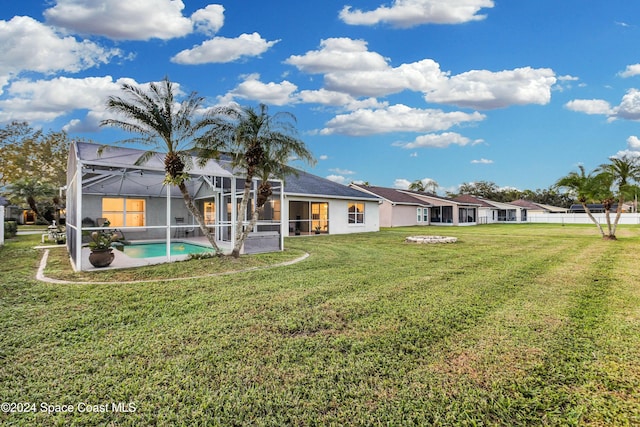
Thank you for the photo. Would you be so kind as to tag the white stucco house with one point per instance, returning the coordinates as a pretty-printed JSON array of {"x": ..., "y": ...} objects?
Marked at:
[{"x": 107, "y": 184}]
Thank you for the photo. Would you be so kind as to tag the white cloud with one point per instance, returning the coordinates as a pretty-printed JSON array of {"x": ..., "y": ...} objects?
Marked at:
[
  {"x": 435, "y": 140},
  {"x": 482, "y": 162},
  {"x": 208, "y": 20},
  {"x": 338, "y": 54},
  {"x": 396, "y": 118},
  {"x": 46, "y": 100},
  {"x": 409, "y": 13},
  {"x": 269, "y": 93},
  {"x": 484, "y": 89},
  {"x": 323, "y": 157},
  {"x": 629, "y": 108},
  {"x": 401, "y": 184},
  {"x": 349, "y": 68},
  {"x": 123, "y": 20},
  {"x": 223, "y": 49},
  {"x": 338, "y": 99},
  {"x": 634, "y": 142},
  {"x": 342, "y": 171},
  {"x": 421, "y": 76},
  {"x": 589, "y": 106},
  {"x": 630, "y": 71},
  {"x": 337, "y": 178},
  {"x": 28, "y": 45}
]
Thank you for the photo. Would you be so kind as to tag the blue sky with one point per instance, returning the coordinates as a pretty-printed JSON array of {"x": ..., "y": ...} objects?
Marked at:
[{"x": 514, "y": 92}]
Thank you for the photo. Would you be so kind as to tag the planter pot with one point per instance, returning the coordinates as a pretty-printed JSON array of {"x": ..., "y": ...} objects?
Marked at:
[{"x": 101, "y": 258}]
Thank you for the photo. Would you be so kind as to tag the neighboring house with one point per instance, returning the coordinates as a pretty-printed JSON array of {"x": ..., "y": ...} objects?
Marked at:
[
  {"x": 490, "y": 211},
  {"x": 446, "y": 211},
  {"x": 599, "y": 208},
  {"x": 537, "y": 208},
  {"x": 398, "y": 208},
  {"x": 134, "y": 198}
]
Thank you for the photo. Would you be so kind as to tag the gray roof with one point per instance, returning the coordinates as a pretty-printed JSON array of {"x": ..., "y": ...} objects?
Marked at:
[
  {"x": 395, "y": 196},
  {"x": 116, "y": 166},
  {"x": 4, "y": 201},
  {"x": 305, "y": 183}
]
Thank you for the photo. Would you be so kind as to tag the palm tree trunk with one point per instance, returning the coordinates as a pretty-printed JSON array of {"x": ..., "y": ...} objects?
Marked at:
[
  {"x": 242, "y": 234},
  {"x": 592, "y": 218},
  {"x": 618, "y": 214},
  {"x": 188, "y": 201}
]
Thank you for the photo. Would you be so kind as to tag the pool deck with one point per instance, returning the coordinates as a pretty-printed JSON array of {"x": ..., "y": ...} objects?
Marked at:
[{"x": 122, "y": 260}]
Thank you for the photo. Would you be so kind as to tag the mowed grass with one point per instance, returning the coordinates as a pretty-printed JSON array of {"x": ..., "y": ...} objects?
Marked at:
[{"x": 513, "y": 325}]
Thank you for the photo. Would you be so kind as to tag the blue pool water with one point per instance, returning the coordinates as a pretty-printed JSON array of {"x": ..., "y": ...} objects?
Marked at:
[{"x": 150, "y": 250}]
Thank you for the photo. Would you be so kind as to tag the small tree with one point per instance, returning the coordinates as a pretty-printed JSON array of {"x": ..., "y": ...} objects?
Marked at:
[
  {"x": 585, "y": 188},
  {"x": 165, "y": 125},
  {"x": 618, "y": 174},
  {"x": 261, "y": 145}
]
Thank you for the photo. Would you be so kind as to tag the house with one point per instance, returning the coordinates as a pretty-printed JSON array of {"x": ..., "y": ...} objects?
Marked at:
[
  {"x": 398, "y": 208},
  {"x": 404, "y": 207},
  {"x": 447, "y": 211},
  {"x": 537, "y": 208},
  {"x": 491, "y": 212},
  {"x": 315, "y": 205},
  {"x": 105, "y": 183}
]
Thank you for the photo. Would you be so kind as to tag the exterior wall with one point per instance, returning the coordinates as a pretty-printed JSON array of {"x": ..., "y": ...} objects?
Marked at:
[
  {"x": 338, "y": 214},
  {"x": 155, "y": 215},
  {"x": 405, "y": 215}
]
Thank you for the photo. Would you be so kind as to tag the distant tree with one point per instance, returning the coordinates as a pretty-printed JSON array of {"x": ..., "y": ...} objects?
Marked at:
[
  {"x": 485, "y": 189},
  {"x": 31, "y": 154},
  {"x": 261, "y": 145},
  {"x": 35, "y": 193},
  {"x": 417, "y": 185},
  {"x": 167, "y": 126},
  {"x": 619, "y": 173}
]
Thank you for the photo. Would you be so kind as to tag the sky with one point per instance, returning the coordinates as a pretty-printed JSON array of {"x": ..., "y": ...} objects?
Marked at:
[{"x": 518, "y": 93}]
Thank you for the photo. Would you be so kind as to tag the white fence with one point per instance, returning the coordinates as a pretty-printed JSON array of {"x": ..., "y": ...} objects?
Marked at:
[{"x": 582, "y": 218}]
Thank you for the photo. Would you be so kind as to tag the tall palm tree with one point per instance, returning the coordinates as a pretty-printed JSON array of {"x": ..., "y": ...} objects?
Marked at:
[
  {"x": 167, "y": 126},
  {"x": 621, "y": 171},
  {"x": 261, "y": 145},
  {"x": 585, "y": 188}
]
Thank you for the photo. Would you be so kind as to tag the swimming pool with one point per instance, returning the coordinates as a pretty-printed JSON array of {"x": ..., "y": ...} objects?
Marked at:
[{"x": 150, "y": 250}]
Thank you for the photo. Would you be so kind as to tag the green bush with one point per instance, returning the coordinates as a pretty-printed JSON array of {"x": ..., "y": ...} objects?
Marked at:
[{"x": 10, "y": 229}]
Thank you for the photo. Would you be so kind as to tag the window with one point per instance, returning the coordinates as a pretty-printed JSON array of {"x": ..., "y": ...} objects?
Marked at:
[
  {"x": 466, "y": 215},
  {"x": 123, "y": 212},
  {"x": 425, "y": 215},
  {"x": 356, "y": 213},
  {"x": 419, "y": 214}
]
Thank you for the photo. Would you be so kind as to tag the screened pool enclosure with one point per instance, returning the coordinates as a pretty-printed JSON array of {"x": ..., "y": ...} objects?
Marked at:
[{"x": 109, "y": 188}]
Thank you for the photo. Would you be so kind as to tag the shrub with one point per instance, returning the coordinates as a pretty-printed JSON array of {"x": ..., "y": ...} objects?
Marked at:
[{"x": 10, "y": 229}]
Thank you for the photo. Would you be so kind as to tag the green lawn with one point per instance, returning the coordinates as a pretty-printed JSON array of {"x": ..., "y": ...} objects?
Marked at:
[{"x": 513, "y": 325}]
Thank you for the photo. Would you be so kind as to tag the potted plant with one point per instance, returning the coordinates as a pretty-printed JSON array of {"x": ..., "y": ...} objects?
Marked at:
[
  {"x": 100, "y": 244},
  {"x": 317, "y": 229}
]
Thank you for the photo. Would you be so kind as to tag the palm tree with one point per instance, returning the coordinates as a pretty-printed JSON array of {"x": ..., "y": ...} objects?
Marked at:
[
  {"x": 167, "y": 126},
  {"x": 261, "y": 145},
  {"x": 585, "y": 188},
  {"x": 417, "y": 185},
  {"x": 619, "y": 172}
]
